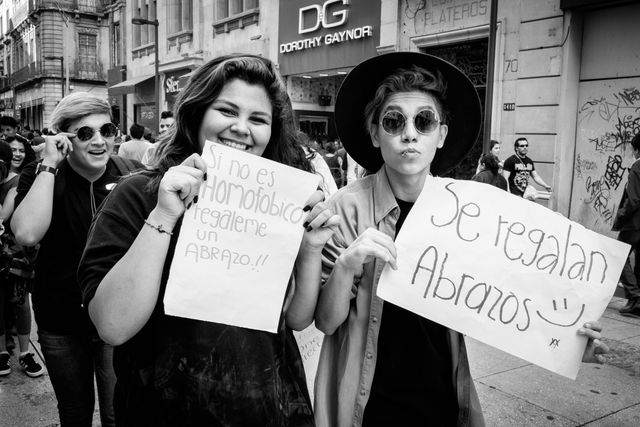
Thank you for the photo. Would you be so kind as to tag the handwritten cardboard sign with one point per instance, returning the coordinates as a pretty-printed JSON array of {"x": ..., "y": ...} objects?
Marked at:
[
  {"x": 310, "y": 343},
  {"x": 237, "y": 245},
  {"x": 503, "y": 270}
]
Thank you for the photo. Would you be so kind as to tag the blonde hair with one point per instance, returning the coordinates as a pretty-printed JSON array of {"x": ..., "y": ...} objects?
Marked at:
[{"x": 75, "y": 106}]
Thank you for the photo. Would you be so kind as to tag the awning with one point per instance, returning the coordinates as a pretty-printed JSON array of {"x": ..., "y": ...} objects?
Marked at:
[
  {"x": 128, "y": 86},
  {"x": 185, "y": 77}
]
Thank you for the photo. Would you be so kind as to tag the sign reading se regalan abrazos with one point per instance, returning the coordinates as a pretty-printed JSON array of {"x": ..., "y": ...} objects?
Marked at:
[
  {"x": 237, "y": 245},
  {"x": 503, "y": 270}
]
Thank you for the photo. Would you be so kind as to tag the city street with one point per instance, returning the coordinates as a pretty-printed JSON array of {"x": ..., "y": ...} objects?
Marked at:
[{"x": 512, "y": 391}]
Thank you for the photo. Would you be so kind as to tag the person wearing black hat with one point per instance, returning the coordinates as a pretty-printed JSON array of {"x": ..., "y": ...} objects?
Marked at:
[{"x": 403, "y": 116}]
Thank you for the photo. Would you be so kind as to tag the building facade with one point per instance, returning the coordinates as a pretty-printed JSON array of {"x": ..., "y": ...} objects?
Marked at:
[
  {"x": 563, "y": 73},
  {"x": 190, "y": 32},
  {"x": 50, "y": 48}
]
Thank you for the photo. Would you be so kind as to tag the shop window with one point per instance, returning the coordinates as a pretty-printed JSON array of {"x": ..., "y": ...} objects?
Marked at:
[
  {"x": 232, "y": 14},
  {"x": 314, "y": 126}
]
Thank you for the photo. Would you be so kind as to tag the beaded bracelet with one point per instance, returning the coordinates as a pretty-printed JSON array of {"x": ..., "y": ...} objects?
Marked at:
[{"x": 159, "y": 228}]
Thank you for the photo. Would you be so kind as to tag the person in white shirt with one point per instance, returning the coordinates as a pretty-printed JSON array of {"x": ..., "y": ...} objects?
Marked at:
[
  {"x": 136, "y": 147},
  {"x": 166, "y": 121}
]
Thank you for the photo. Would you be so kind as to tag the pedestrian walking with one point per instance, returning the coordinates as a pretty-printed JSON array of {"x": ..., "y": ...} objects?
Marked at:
[
  {"x": 627, "y": 222},
  {"x": 136, "y": 147},
  {"x": 489, "y": 173},
  {"x": 519, "y": 167},
  {"x": 494, "y": 148},
  {"x": 175, "y": 371},
  {"x": 55, "y": 202},
  {"x": 166, "y": 121},
  {"x": 380, "y": 364},
  {"x": 17, "y": 267}
]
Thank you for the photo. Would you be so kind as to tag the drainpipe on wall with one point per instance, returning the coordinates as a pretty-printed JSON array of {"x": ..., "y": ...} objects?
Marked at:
[{"x": 491, "y": 58}]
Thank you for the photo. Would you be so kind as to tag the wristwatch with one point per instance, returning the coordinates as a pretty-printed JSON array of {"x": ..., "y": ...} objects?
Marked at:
[{"x": 45, "y": 168}]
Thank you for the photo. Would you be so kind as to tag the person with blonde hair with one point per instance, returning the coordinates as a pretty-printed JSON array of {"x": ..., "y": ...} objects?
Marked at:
[{"x": 55, "y": 203}]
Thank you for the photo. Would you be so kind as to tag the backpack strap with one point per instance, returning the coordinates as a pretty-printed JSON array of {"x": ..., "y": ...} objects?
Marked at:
[{"x": 125, "y": 166}]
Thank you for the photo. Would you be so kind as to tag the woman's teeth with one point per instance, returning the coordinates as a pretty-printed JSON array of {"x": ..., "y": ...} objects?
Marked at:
[{"x": 233, "y": 144}]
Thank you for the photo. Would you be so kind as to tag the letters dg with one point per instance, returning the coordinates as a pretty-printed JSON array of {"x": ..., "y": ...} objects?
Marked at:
[{"x": 321, "y": 12}]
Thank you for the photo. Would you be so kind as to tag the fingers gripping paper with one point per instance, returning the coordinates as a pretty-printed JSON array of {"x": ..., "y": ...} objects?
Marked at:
[
  {"x": 503, "y": 270},
  {"x": 237, "y": 245}
]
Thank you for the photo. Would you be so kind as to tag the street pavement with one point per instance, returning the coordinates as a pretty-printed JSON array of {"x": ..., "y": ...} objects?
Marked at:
[{"x": 512, "y": 392}]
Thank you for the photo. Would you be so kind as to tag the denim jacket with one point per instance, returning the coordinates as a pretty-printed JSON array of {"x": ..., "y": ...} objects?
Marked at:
[{"x": 348, "y": 357}]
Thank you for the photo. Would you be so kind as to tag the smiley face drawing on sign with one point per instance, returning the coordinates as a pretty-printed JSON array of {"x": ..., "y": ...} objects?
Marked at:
[{"x": 557, "y": 322}]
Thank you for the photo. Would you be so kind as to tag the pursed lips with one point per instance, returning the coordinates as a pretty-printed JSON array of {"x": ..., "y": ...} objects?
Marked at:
[{"x": 409, "y": 151}]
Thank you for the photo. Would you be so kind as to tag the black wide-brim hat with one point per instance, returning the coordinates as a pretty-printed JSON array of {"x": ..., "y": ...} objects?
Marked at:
[{"x": 359, "y": 87}]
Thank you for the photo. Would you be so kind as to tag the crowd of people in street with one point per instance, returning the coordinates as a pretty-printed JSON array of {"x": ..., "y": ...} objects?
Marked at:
[{"x": 91, "y": 235}]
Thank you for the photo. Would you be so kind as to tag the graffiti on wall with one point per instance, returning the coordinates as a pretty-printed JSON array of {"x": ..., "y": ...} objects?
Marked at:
[
  {"x": 608, "y": 118},
  {"x": 599, "y": 191},
  {"x": 620, "y": 110}
]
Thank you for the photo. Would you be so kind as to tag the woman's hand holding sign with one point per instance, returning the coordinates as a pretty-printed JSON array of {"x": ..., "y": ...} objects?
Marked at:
[
  {"x": 179, "y": 188},
  {"x": 320, "y": 223}
]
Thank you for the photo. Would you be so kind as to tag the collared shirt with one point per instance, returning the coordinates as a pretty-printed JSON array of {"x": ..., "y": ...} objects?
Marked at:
[{"x": 348, "y": 357}]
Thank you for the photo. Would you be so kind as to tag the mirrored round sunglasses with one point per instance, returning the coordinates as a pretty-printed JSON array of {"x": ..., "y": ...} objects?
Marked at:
[
  {"x": 425, "y": 122},
  {"x": 107, "y": 130}
]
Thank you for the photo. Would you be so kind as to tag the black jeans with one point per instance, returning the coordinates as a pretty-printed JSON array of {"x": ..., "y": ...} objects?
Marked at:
[
  {"x": 72, "y": 362},
  {"x": 630, "y": 277}
]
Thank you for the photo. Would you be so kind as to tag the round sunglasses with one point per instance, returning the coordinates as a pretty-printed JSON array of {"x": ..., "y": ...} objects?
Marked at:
[
  {"x": 425, "y": 122},
  {"x": 107, "y": 130}
]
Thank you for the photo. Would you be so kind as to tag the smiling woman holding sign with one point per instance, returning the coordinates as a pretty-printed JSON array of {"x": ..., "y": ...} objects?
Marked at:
[
  {"x": 178, "y": 371},
  {"x": 402, "y": 116}
]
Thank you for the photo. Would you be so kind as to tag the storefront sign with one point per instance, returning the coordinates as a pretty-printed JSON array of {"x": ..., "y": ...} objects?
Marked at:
[
  {"x": 173, "y": 85},
  {"x": 329, "y": 34},
  {"x": 146, "y": 115},
  {"x": 432, "y": 16}
]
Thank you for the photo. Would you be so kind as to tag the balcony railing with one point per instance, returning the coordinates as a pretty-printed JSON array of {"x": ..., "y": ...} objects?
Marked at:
[
  {"x": 82, "y": 6},
  {"x": 24, "y": 74},
  {"x": 78, "y": 70},
  {"x": 87, "y": 70}
]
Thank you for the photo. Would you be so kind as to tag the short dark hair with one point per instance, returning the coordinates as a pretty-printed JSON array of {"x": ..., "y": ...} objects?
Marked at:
[
  {"x": 136, "y": 131},
  {"x": 408, "y": 80},
  {"x": 493, "y": 143},
  {"x": 166, "y": 114},
  {"x": 635, "y": 142},
  {"x": 8, "y": 121},
  {"x": 522, "y": 138}
]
